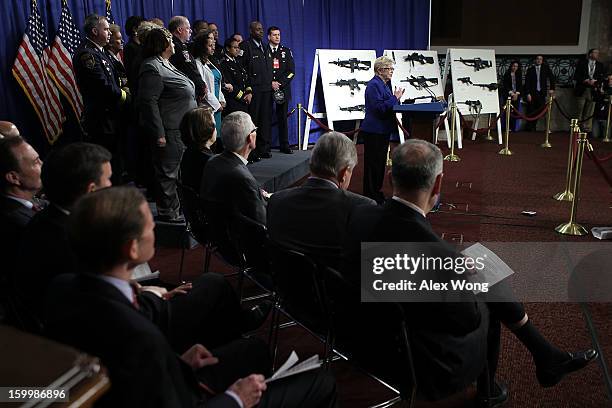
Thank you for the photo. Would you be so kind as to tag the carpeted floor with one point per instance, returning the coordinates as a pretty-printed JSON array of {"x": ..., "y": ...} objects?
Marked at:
[{"x": 488, "y": 192}]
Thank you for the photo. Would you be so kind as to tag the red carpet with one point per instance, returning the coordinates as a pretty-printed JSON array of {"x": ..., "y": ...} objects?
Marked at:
[{"x": 501, "y": 187}]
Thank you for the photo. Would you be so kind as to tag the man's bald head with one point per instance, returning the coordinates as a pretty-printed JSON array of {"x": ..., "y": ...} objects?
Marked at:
[{"x": 8, "y": 129}]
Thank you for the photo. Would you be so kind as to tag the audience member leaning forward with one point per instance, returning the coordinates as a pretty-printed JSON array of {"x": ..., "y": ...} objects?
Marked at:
[{"x": 112, "y": 231}]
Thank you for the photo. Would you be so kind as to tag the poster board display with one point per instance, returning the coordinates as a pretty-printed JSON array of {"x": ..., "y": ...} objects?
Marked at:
[{"x": 418, "y": 72}]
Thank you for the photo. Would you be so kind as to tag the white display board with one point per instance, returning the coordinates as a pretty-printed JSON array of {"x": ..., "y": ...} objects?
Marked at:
[
  {"x": 418, "y": 72},
  {"x": 475, "y": 87},
  {"x": 344, "y": 75}
]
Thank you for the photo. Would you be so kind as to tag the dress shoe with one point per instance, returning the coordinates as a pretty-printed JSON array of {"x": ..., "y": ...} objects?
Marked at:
[
  {"x": 253, "y": 158},
  {"x": 179, "y": 219},
  {"x": 253, "y": 318},
  {"x": 286, "y": 150},
  {"x": 499, "y": 397},
  {"x": 266, "y": 155},
  {"x": 553, "y": 373}
]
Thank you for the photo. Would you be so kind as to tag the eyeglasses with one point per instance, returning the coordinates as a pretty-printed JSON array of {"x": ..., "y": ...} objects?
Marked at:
[
  {"x": 252, "y": 131},
  {"x": 388, "y": 69}
]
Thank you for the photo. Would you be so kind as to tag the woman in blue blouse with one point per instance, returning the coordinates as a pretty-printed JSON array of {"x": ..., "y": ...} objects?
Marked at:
[{"x": 378, "y": 125}]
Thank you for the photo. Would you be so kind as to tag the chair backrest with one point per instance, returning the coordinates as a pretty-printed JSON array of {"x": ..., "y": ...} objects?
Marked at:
[
  {"x": 193, "y": 209},
  {"x": 220, "y": 218},
  {"x": 297, "y": 281},
  {"x": 251, "y": 239}
]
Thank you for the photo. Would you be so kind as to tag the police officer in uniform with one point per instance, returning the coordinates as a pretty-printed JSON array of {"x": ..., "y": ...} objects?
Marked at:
[
  {"x": 103, "y": 98},
  {"x": 182, "y": 59},
  {"x": 283, "y": 71},
  {"x": 257, "y": 61},
  {"x": 237, "y": 91}
]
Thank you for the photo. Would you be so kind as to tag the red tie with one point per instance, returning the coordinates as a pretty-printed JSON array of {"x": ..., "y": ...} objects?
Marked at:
[{"x": 135, "y": 291}]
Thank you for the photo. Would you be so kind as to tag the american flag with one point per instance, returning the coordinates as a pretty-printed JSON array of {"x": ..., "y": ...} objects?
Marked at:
[
  {"x": 60, "y": 63},
  {"x": 30, "y": 71},
  {"x": 109, "y": 12}
]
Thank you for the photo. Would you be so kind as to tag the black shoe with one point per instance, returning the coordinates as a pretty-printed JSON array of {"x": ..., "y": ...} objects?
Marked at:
[
  {"x": 286, "y": 150},
  {"x": 551, "y": 375},
  {"x": 180, "y": 219},
  {"x": 266, "y": 155},
  {"x": 253, "y": 318},
  {"x": 253, "y": 158},
  {"x": 499, "y": 397}
]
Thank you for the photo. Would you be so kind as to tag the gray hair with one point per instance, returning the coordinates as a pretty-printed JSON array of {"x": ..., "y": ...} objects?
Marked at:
[
  {"x": 332, "y": 152},
  {"x": 382, "y": 62},
  {"x": 143, "y": 29},
  {"x": 91, "y": 21},
  {"x": 416, "y": 164},
  {"x": 234, "y": 130},
  {"x": 175, "y": 22}
]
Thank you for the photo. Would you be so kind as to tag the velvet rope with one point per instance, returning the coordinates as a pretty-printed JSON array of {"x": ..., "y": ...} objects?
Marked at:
[
  {"x": 480, "y": 131},
  {"x": 519, "y": 115},
  {"x": 599, "y": 166},
  {"x": 326, "y": 128},
  {"x": 288, "y": 114},
  {"x": 441, "y": 121},
  {"x": 567, "y": 117}
]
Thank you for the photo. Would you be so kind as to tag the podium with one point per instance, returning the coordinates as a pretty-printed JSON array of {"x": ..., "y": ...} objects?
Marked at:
[{"x": 419, "y": 118}]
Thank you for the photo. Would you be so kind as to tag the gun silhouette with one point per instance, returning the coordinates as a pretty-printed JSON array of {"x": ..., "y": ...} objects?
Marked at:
[
  {"x": 477, "y": 63},
  {"x": 491, "y": 87},
  {"x": 465, "y": 80},
  {"x": 351, "y": 83},
  {"x": 474, "y": 106},
  {"x": 356, "y": 108},
  {"x": 416, "y": 57},
  {"x": 353, "y": 64},
  {"x": 420, "y": 82}
]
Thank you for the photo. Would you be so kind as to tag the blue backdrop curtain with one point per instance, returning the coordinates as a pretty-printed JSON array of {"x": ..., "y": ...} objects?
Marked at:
[{"x": 305, "y": 25}]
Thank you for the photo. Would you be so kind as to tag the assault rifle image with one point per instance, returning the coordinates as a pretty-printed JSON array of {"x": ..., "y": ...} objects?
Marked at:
[
  {"x": 416, "y": 57},
  {"x": 474, "y": 106},
  {"x": 420, "y": 82},
  {"x": 353, "y": 64},
  {"x": 356, "y": 108},
  {"x": 351, "y": 83},
  {"x": 477, "y": 63},
  {"x": 466, "y": 80}
]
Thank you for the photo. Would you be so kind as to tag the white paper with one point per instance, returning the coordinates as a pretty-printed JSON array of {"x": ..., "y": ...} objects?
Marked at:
[
  {"x": 495, "y": 269},
  {"x": 288, "y": 369}
]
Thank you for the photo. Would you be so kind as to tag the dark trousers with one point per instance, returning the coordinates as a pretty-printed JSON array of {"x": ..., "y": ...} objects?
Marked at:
[
  {"x": 281, "y": 121},
  {"x": 260, "y": 110},
  {"x": 374, "y": 164},
  {"x": 538, "y": 100},
  {"x": 166, "y": 163}
]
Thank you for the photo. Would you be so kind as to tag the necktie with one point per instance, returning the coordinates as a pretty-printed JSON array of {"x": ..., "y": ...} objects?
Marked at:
[
  {"x": 513, "y": 82},
  {"x": 538, "y": 88},
  {"x": 135, "y": 292},
  {"x": 591, "y": 69}
]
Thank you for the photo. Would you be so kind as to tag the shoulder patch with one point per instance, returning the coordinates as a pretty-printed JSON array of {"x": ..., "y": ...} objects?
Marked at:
[{"x": 88, "y": 60}]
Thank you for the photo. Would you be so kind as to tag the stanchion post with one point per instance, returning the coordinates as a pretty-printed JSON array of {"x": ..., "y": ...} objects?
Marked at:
[
  {"x": 389, "y": 161},
  {"x": 506, "y": 150},
  {"x": 299, "y": 125},
  {"x": 489, "y": 137},
  {"x": 572, "y": 227},
  {"x": 452, "y": 157},
  {"x": 607, "y": 137},
  {"x": 567, "y": 195},
  {"x": 546, "y": 143}
]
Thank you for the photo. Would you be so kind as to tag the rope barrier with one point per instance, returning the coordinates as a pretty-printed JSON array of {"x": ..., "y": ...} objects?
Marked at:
[
  {"x": 288, "y": 114},
  {"x": 520, "y": 115},
  {"x": 597, "y": 162},
  {"x": 566, "y": 116},
  {"x": 326, "y": 128},
  {"x": 441, "y": 120},
  {"x": 480, "y": 131}
]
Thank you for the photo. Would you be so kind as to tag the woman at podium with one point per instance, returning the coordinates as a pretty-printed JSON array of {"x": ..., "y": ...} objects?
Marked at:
[{"x": 378, "y": 125}]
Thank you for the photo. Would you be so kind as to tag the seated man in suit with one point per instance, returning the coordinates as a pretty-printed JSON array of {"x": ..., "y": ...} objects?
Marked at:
[
  {"x": 112, "y": 231},
  {"x": 226, "y": 179},
  {"x": 417, "y": 179},
  {"x": 209, "y": 303},
  {"x": 20, "y": 168},
  {"x": 313, "y": 217}
]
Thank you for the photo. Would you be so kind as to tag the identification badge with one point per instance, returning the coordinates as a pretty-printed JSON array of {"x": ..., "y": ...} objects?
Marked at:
[{"x": 275, "y": 63}]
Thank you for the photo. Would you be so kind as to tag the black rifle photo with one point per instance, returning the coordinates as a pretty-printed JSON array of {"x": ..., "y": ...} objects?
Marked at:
[
  {"x": 353, "y": 64},
  {"x": 356, "y": 108},
  {"x": 420, "y": 82},
  {"x": 416, "y": 57},
  {"x": 477, "y": 63},
  {"x": 474, "y": 106},
  {"x": 466, "y": 80},
  {"x": 353, "y": 84}
]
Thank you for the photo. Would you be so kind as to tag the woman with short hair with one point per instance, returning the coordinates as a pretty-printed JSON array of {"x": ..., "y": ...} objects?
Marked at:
[{"x": 199, "y": 133}]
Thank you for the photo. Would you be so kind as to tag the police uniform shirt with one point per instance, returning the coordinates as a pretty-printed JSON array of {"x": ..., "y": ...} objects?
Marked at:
[
  {"x": 283, "y": 67},
  {"x": 234, "y": 74},
  {"x": 184, "y": 62}
]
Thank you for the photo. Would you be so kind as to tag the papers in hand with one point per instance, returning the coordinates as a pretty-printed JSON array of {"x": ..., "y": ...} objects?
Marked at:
[
  {"x": 290, "y": 368},
  {"x": 495, "y": 270}
]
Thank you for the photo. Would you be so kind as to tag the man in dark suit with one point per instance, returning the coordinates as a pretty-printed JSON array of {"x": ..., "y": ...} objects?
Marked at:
[
  {"x": 102, "y": 94},
  {"x": 182, "y": 59},
  {"x": 461, "y": 327},
  {"x": 589, "y": 77},
  {"x": 313, "y": 217},
  {"x": 112, "y": 231},
  {"x": 537, "y": 80},
  {"x": 226, "y": 179},
  {"x": 256, "y": 60},
  {"x": 283, "y": 72}
]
